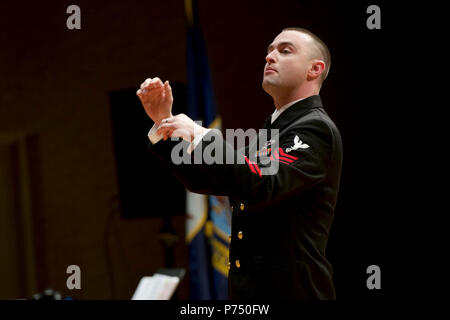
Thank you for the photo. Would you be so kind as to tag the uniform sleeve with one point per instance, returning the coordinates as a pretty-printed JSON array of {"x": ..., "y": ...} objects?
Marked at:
[
  {"x": 192, "y": 176},
  {"x": 301, "y": 157}
]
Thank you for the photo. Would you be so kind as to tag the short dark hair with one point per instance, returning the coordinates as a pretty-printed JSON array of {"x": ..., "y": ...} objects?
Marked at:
[{"x": 322, "y": 50}]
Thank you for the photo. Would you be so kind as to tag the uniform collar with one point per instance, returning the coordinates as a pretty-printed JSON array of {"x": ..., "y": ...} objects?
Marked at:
[
  {"x": 294, "y": 112},
  {"x": 277, "y": 112}
]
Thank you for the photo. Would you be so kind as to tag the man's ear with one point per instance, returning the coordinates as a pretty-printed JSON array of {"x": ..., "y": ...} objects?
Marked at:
[{"x": 316, "y": 69}]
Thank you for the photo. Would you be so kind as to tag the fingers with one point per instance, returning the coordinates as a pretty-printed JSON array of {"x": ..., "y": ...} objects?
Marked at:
[
  {"x": 167, "y": 87},
  {"x": 165, "y": 132},
  {"x": 168, "y": 134},
  {"x": 142, "y": 93},
  {"x": 166, "y": 127},
  {"x": 168, "y": 120},
  {"x": 156, "y": 83},
  {"x": 150, "y": 84},
  {"x": 145, "y": 82}
]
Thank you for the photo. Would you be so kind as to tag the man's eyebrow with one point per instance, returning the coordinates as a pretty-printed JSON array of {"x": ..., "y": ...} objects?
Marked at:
[{"x": 281, "y": 44}]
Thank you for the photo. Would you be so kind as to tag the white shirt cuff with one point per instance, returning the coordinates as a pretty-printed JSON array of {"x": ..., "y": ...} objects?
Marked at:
[{"x": 153, "y": 137}]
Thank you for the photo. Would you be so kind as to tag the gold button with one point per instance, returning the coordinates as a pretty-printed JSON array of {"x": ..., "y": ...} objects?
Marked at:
[
  {"x": 242, "y": 207},
  {"x": 238, "y": 264},
  {"x": 232, "y": 208},
  {"x": 240, "y": 235},
  {"x": 229, "y": 237},
  {"x": 228, "y": 265}
]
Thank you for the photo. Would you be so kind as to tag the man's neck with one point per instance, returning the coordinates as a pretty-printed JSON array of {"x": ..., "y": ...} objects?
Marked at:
[{"x": 283, "y": 100}]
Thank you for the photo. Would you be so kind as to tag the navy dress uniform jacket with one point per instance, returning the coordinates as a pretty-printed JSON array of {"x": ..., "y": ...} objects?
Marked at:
[{"x": 280, "y": 222}]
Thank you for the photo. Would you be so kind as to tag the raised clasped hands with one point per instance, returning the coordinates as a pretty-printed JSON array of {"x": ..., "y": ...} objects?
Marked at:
[{"x": 157, "y": 99}]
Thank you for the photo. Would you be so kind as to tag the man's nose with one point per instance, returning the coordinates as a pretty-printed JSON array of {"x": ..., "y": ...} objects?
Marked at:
[{"x": 270, "y": 57}]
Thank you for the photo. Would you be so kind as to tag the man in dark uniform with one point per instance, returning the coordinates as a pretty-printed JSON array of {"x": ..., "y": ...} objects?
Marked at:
[{"x": 280, "y": 218}]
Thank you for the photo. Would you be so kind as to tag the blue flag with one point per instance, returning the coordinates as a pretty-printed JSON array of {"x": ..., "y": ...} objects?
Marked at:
[{"x": 208, "y": 217}]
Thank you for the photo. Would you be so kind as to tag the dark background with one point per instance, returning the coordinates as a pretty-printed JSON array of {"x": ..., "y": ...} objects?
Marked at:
[{"x": 60, "y": 186}]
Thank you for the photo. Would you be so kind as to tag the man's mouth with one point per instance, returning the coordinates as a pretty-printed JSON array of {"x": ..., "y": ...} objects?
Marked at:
[{"x": 270, "y": 70}]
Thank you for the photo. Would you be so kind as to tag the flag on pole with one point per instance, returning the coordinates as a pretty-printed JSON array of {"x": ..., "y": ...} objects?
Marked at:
[{"x": 208, "y": 217}]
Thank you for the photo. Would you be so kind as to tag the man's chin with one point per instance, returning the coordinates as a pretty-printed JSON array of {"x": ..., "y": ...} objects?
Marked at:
[{"x": 268, "y": 85}]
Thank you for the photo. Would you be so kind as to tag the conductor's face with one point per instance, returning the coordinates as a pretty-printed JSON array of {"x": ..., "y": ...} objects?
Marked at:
[{"x": 287, "y": 62}]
